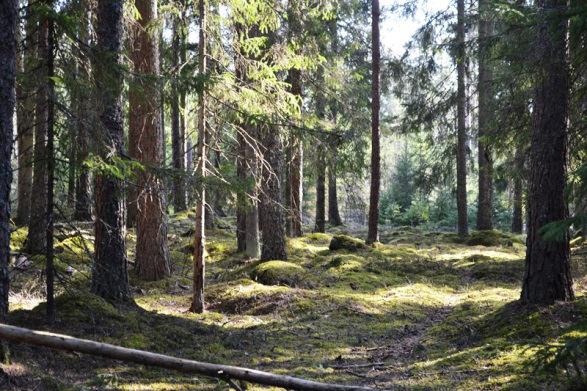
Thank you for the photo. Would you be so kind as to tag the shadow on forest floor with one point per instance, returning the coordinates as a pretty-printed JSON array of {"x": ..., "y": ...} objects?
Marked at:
[{"x": 420, "y": 311}]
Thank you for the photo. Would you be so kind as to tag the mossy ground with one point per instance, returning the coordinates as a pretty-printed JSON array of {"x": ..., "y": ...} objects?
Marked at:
[{"x": 419, "y": 311}]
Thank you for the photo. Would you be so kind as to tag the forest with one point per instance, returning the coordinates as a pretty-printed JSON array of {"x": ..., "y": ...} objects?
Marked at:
[{"x": 320, "y": 195}]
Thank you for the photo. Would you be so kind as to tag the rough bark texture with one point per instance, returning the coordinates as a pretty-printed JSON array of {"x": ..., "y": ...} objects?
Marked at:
[
  {"x": 49, "y": 254},
  {"x": 295, "y": 173},
  {"x": 241, "y": 198},
  {"x": 373, "y": 234},
  {"x": 463, "y": 225},
  {"x": 199, "y": 272},
  {"x": 485, "y": 90},
  {"x": 252, "y": 239},
  {"x": 36, "y": 240},
  {"x": 178, "y": 125},
  {"x": 271, "y": 212},
  {"x": 8, "y": 18},
  {"x": 26, "y": 122},
  {"x": 517, "y": 215},
  {"x": 334, "y": 218},
  {"x": 548, "y": 277},
  {"x": 320, "y": 219},
  {"x": 109, "y": 274},
  {"x": 145, "y": 133},
  {"x": 83, "y": 210}
]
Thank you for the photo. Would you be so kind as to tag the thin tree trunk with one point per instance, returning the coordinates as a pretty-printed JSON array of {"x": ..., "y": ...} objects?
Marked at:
[
  {"x": 26, "y": 122},
  {"x": 241, "y": 203},
  {"x": 517, "y": 215},
  {"x": 83, "y": 210},
  {"x": 37, "y": 237},
  {"x": 485, "y": 90},
  {"x": 252, "y": 237},
  {"x": 463, "y": 226},
  {"x": 320, "y": 220},
  {"x": 152, "y": 253},
  {"x": 49, "y": 268},
  {"x": 373, "y": 234},
  {"x": 199, "y": 275},
  {"x": 295, "y": 170},
  {"x": 8, "y": 26},
  {"x": 548, "y": 276},
  {"x": 109, "y": 274}
]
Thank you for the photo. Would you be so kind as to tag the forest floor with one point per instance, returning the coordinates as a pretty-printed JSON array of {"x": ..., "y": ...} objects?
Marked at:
[{"x": 420, "y": 311}]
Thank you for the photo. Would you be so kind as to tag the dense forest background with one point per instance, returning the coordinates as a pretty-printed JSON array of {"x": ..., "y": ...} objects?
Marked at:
[{"x": 418, "y": 216}]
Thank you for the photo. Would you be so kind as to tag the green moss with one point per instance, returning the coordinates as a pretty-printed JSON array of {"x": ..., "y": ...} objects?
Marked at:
[
  {"x": 346, "y": 262},
  {"x": 492, "y": 238},
  {"x": 18, "y": 238},
  {"x": 279, "y": 273},
  {"x": 344, "y": 242}
]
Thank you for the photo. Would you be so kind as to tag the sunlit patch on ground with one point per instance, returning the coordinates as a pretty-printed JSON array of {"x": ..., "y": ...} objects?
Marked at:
[{"x": 421, "y": 311}]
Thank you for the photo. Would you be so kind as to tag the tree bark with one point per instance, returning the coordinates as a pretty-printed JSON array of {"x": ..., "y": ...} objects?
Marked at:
[
  {"x": 241, "y": 201},
  {"x": 109, "y": 274},
  {"x": 178, "y": 122},
  {"x": 8, "y": 26},
  {"x": 295, "y": 173},
  {"x": 485, "y": 90},
  {"x": 271, "y": 211},
  {"x": 252, "y": 237},
  {"x": 548, "y": 276},
  {"x": 333, "y": 210},
  {"x": 373, "y": 234},
  {"x": 145, "y": 133},
  {"x": 83, "y": 210},
  {"x": 199, "y": 272},
  {"x": 463, "y": 225},
  {"x": 26, "y": 122},
  {"x": 36, "y": 241},
  {"x": 517, "y": 215},
  {"x": 320, "y": 220}
]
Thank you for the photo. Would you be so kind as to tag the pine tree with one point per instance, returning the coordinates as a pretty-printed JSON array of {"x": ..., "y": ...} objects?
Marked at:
[
  {"x": 463, "y": 226},
  {"x": 109, "y": 273},
  {"x": 548, "y": 276}
]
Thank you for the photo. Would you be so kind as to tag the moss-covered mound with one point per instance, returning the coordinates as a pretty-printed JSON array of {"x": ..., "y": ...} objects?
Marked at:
[
  {"x": 492, "y": 238},
  {"x": 278, "y": 273},
  {"x": 346, "y": 262},
  {"x": 344, "y": 242}
]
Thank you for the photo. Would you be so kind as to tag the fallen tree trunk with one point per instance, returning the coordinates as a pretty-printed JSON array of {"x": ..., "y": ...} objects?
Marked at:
[{"x": 227, "y": 372}]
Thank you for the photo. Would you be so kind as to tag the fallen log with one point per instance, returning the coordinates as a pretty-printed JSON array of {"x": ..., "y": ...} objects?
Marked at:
[{"x": 226, "y": 372}]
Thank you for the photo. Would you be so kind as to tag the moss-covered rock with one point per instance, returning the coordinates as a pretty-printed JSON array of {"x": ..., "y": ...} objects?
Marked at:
[
  {"x": 492, "y": 238},
  {"x": 346, "y": 262},
  {"x": 279, "y": 273},
  {"x": 344, "y": 242}
]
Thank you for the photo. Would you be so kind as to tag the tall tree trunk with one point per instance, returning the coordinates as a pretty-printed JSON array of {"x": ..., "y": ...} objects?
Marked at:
[
  {"x": 83, "y": 210},
  {"x": 320, "y": 220},
  {"x": 295, "y": 172},
  {"x": 26, "y": 122},
  {"x": 271, "y": 211},
  {"x": 252, "y": 237},
  {"x": 199, "y": 274},
  {"x": 37, "y": 237},
  {"x": 333, "y": 212},
  {"x": 548, "y": 275},
  {"x": 178, "y": 119},
  {"x": 49, "y": 254},
  {"x": 8, "y": 26},
  {"x": 517, "y": 215},
  {"x": 145, "y": 132},
  {"x": 241, "y": 202},
  {"x": 485, "y": 90},
  {"x": 373, "y": 234},
  {"x": 463, "y": 225},
  {"x": 109, "y": 274}
]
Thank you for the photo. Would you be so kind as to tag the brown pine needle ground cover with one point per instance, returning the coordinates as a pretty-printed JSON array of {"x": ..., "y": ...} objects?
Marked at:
[{"x": 422, "y": 310}]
